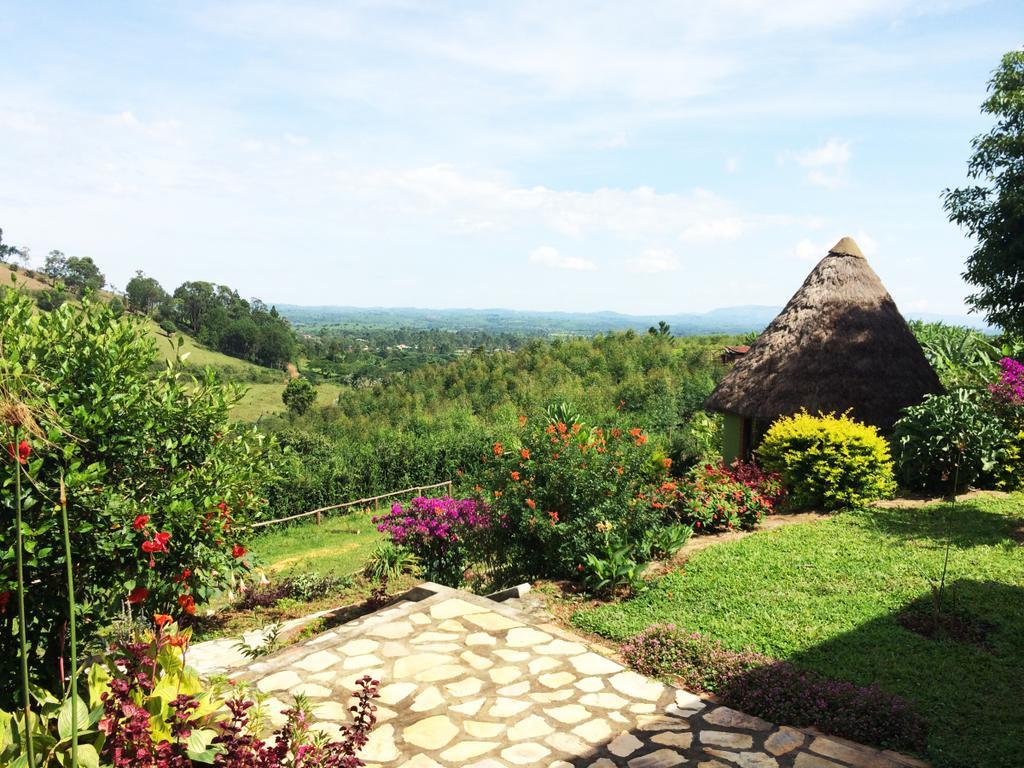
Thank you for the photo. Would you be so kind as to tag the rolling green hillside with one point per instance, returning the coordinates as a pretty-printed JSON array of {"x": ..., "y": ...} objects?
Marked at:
[{"x": 263, "y": 385}]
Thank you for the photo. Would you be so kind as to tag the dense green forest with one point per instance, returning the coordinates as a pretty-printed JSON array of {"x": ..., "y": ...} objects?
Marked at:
[{"x": 429, "y": 424}]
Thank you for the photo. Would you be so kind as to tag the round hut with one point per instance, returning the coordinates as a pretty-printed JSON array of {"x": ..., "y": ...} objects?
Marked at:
[{"x": 839, "y": 344}]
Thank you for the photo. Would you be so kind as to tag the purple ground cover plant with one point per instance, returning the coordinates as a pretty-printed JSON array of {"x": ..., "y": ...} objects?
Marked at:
[{"x": 776, "y": 691}]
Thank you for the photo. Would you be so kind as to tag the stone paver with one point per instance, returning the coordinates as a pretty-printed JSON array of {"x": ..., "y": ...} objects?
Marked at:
[{"x": 466, "y": 682}]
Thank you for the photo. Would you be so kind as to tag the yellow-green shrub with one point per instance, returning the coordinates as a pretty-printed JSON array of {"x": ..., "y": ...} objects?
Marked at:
[
  {"x": 1010, "y": 476},
  {"x": 828, "y": 461}
]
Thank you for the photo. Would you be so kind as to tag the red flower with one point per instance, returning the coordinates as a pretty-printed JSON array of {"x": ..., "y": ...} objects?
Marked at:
[
  {"x": 187, "y": 603},
  {"x": 222, "y": 506},
  {"x": 162, "y": 619},
  {"x": 579, "y": 567},
  {"x": 19, "y": 454},
  {"x": 525, "y": 453},
  {"x": 5, "y": 599},
  {"x": 554, "y": 517},
  {"x": 185, "y": 574},
  {"x": 140, "y": 522},
  {"x": 531, "y": 503},
  {"x": 149, "y": 546},
  {"x": 515, "y": 475},
  {"x": 522, "y": 420},
  {"x": 138, "y": 595},
  {"x": 238, "y": 551},
  {"x": 498, "y": 448},
  {"x": 161, "y": 539}
]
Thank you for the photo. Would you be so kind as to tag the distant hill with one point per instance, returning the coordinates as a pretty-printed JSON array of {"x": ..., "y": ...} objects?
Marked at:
[{"x": 729, "y": 320}]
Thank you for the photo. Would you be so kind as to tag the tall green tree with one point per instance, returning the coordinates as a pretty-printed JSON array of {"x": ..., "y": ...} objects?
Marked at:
[
  {"x": 992, "y": 209},
  {"x": 144, "y": 293}
]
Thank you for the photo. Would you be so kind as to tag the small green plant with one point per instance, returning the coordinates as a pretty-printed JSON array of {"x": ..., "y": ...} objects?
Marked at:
[
  {"x": 391, "y": 561},
  {"x": 828, "y": 461},
  {"x": 662, "y": 543},
  {"x": 269, "y": 643},
  {"x": 616, "y": 569}
]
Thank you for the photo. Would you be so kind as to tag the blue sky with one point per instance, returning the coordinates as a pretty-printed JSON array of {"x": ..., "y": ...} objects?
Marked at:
[{"x": 649, "y": 157}]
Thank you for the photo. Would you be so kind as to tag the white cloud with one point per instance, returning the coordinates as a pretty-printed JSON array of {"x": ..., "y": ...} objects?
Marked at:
[
  {"x": 465, "y": 204},
  {"x": 732, "y": 164},
  {"x": 653, "y": 260},
  {"x": 547, "y": 256},
  {"x": 826, "y": 164}
]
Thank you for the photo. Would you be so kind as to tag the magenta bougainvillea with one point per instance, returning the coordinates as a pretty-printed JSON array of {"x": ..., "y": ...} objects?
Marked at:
[
  {"x": 1010, "y": 387},
  {"x": 437, "y": 531}
]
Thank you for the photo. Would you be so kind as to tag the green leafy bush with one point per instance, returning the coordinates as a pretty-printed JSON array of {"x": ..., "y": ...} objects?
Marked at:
[
  {"x": 299, "y": 396},
  {"x": 952, "y": 437},
  {"x": 158, "y": 482},
  {"x": 827, "y": 460}
]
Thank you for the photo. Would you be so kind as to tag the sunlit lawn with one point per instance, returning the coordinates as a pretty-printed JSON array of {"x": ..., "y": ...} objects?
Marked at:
[
  {"x": 339, "y": 546},
  {"x": 826, "y": 596}
]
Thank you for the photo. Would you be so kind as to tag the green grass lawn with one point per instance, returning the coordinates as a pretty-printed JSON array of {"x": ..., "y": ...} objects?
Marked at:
[
  {"x": 339, "y": 546},
  {"x": 826, "y": 596}
]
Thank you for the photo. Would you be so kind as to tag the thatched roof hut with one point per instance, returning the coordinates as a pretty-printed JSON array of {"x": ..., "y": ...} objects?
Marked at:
[{"x": 840, "y": 343}]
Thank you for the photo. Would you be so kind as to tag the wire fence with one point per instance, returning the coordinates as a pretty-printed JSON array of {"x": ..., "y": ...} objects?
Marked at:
[{"x": 318, "y": 513}]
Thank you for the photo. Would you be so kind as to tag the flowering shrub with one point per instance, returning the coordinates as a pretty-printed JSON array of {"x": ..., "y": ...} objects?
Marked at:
[
  {"x": 697, "y": 662},
  {"x": 549, "y": 491},
  {"x": 783, "y": 693},
  {"x": 1010, "y": 387},
  {"x": 442, "y": 533},
  {"x": 157, "y": 480},
  {"x": 776, "y": 691},
  {"x": 767, "y": 484},
  {"x": 712, "y": 498},
  {"x": 828, "y": 461}
]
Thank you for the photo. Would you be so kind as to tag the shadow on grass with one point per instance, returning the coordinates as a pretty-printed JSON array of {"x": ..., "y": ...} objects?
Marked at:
[
  {"x": 969, "y": 524},
  {"x": 970, "y": 693}
]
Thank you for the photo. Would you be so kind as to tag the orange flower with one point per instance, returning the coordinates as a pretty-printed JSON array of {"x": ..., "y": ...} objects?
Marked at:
[
  {"x": 616, "y": 432},
  {"x": 666, "y": 463},
  {"x": 531, "y": 503},
  {"x": 187, "y": 603},
  {"x": 515, "y": 475},
  {"x": 641, "y": 440},
  {"x": 525, "y": 453},
  {"x": 522, "y": 420},
  {"x": 561, "y": 427},
  {"x": 497, "y": 494},
  {"x": 635, "y": 431},
  {"x": 549, "y": 428},
  {"x": 498, "y": 448},
  {"x": 162, "y": 619},
  {"x": 554, "y": 517}
]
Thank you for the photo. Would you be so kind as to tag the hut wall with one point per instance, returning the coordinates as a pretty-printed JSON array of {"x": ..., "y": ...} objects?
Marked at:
[{"x": 732, "y": 437}]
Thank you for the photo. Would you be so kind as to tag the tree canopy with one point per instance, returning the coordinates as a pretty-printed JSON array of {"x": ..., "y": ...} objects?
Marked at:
[{"x": 992, "y": 209}]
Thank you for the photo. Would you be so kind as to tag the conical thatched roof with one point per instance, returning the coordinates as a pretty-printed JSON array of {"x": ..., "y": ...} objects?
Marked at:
[{"x": 840, "y": 343}]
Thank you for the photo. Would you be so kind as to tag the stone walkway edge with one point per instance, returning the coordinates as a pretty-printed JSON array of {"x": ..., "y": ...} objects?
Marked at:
[{"x": 466, "y": 681}]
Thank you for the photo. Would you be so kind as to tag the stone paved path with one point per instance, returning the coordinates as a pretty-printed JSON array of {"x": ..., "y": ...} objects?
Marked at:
[{"x": 469, "y": 682}]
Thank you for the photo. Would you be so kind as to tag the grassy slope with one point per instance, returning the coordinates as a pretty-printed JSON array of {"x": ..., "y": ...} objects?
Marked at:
[
  {"x": 339, "y": 546},
  {"x": 825, "y": 595}
]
